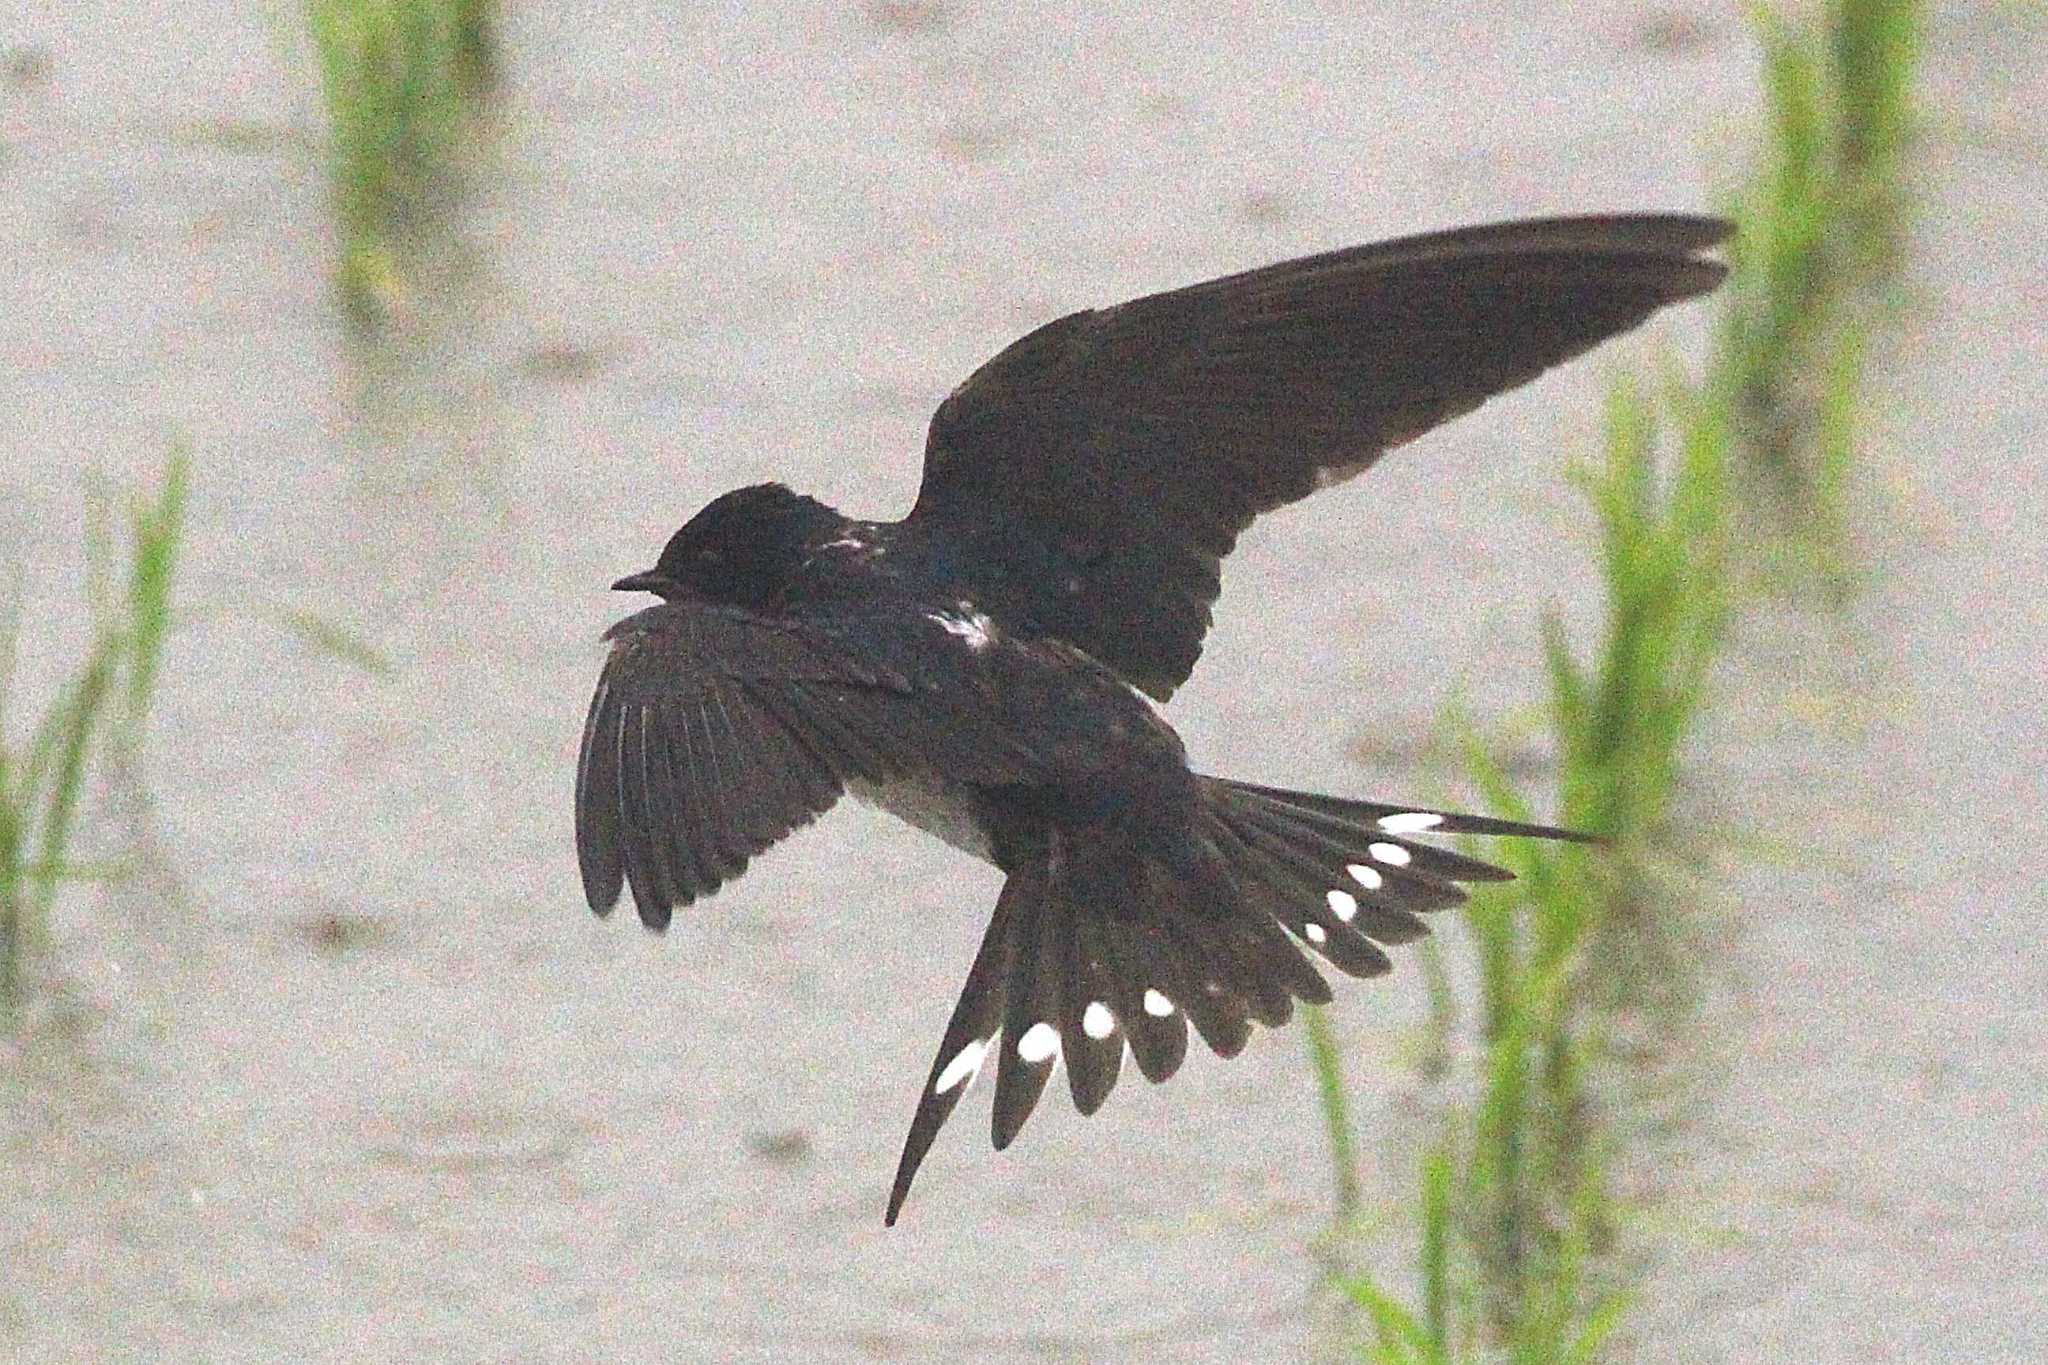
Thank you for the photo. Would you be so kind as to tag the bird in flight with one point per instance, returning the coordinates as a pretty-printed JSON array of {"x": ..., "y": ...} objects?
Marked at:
[{"x": 987, "y": 667}]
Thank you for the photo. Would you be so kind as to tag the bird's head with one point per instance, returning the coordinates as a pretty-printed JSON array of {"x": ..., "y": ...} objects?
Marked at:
[{"x": 740, "y": 549}]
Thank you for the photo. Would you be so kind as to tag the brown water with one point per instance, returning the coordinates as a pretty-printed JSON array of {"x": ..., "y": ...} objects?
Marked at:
[{"x": 350, "y": 1073}]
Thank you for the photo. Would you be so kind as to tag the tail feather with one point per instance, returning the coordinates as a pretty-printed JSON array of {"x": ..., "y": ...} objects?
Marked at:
[
  {"x": 1275, "y": 974},
  {"x": 1294, "y": 897},
  {"x": 1312, "y": 845},
  {"x": 1424, "y": 860},
  {"x": 1033, "y": 994},
  {"x": 1091, "y": 1024},
  {"x": 972, "y": 1032},
  {"x": 1199, "y": 982},
  {"x": 1095, "y": 949},
  {"x": 1385, "y": 911},
  {"x": 1158, "y": 1031},
  {"x": 1404, "y": 819},
  {"x": 1227, "y": 987}
]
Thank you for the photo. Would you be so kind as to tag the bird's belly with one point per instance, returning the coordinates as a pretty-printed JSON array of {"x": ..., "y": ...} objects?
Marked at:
[{"x": 938, "y": 808}]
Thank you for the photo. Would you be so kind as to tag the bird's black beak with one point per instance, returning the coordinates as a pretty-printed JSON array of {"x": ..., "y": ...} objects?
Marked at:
[{"x": 640, "y": 582}]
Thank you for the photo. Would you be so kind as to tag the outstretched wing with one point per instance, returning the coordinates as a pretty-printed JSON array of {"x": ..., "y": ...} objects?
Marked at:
[
  {"x": 714, "y": 732},
  {"x": 1103, "y": 466}
]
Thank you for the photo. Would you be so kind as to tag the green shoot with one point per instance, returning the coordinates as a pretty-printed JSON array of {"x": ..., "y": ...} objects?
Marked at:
[
  {"x": 400, "y": 79},
  {"x": 43, "y": 782},
  {"x": 1515, "y": 1205}
]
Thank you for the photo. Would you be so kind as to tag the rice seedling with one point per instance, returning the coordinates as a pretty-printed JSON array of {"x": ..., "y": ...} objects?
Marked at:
[
  {"x": 476, "y": 44},
  {"x": 41, "y": 783},
  {"x": 1822, "y": 221},
  {"x": 1515, "y": 1207},
  {"x": 156, "y": 531},
  {"x": 1781, "y": 258},
  {"x": 1558, "y": 1318},
  {"x": 43, "y": 780},
  {"x": 1527, "y": 1165},
  {"x": 400, "y": 79},
  {"x": 1874, "y": 46},
  {"x": 336, "y": 640},
  {"x": 1326, "y": 1060}
]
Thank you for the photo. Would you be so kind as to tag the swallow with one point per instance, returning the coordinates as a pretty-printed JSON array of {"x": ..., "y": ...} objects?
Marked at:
[{"x": 990, "y": 667}]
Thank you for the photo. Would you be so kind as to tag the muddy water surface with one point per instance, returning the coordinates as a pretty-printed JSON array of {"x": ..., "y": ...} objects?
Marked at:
[{"x": 349, "y": 1072}]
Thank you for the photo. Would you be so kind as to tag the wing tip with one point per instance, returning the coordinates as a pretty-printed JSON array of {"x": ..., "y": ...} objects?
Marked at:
[{"x": 1655, "y": 232}]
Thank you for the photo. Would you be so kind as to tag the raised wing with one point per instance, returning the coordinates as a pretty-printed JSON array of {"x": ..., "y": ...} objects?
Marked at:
[
  {"x": 714, "y": 732},
  {"x": 1102, "y": 467}
]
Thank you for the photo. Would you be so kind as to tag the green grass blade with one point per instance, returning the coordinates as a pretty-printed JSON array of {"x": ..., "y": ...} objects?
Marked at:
[
  {"x": 74, "y": 732},
  {"x": 1327, "y": 1061},
  {"x": 1519, "y": 1194},
  {"x": 156, "y": 529},
  {"x": 1400, "y": 1339},
  {"x": 337, "y": 641},
  {"x": 42, "y": 785},
  {"x": 1437, "y": 1178},
  {"x": 402, "y": 80}
]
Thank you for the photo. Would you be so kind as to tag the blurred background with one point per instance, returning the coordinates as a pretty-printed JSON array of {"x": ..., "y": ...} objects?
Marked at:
[{"x": 349, "y": 348}]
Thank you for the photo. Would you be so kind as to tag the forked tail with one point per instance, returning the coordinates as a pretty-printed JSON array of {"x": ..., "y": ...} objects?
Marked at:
[{"x": 1088, "y": 954}]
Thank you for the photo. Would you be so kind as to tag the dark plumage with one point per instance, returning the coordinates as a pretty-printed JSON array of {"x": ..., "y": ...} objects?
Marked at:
[{"x": 976, "y": 667}]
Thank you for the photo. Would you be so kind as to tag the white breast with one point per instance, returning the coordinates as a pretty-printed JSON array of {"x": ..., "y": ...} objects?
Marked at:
[{"x": 938, "y": 808}]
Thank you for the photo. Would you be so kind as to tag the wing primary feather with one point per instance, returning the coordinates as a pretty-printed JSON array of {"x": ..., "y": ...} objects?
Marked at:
[
  {"x": 693, "y": 821},
  {"x": 641, "y": 875},
  {"x": 711, "y": 735},
  {"x": 709, "y": 762},
  {"x": 685, "y": 820},
  {"x": 656, "y": 822},
  {"x": 737, "y": 807},
  {"x": 668, "y": 774},
  {"x": 597, "y": 832}
]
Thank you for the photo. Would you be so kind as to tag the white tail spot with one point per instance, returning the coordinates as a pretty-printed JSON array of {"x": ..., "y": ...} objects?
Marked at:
[
  {"x": 1316, "y": 934},
  {"x": 1410, "y": 822},
  {"x": 1343, "y": 904},
  {"x": 1096, "y": 1021},
  {"x": 1156, "y": 1004},
  {"x": 970, "y": 625},
  {"x": 1039, "y": 1042},
  {"x": 1393, "y": 855},
  {"x": 965, "y": 1066},
  {"x": 1367, "y": 877}
]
